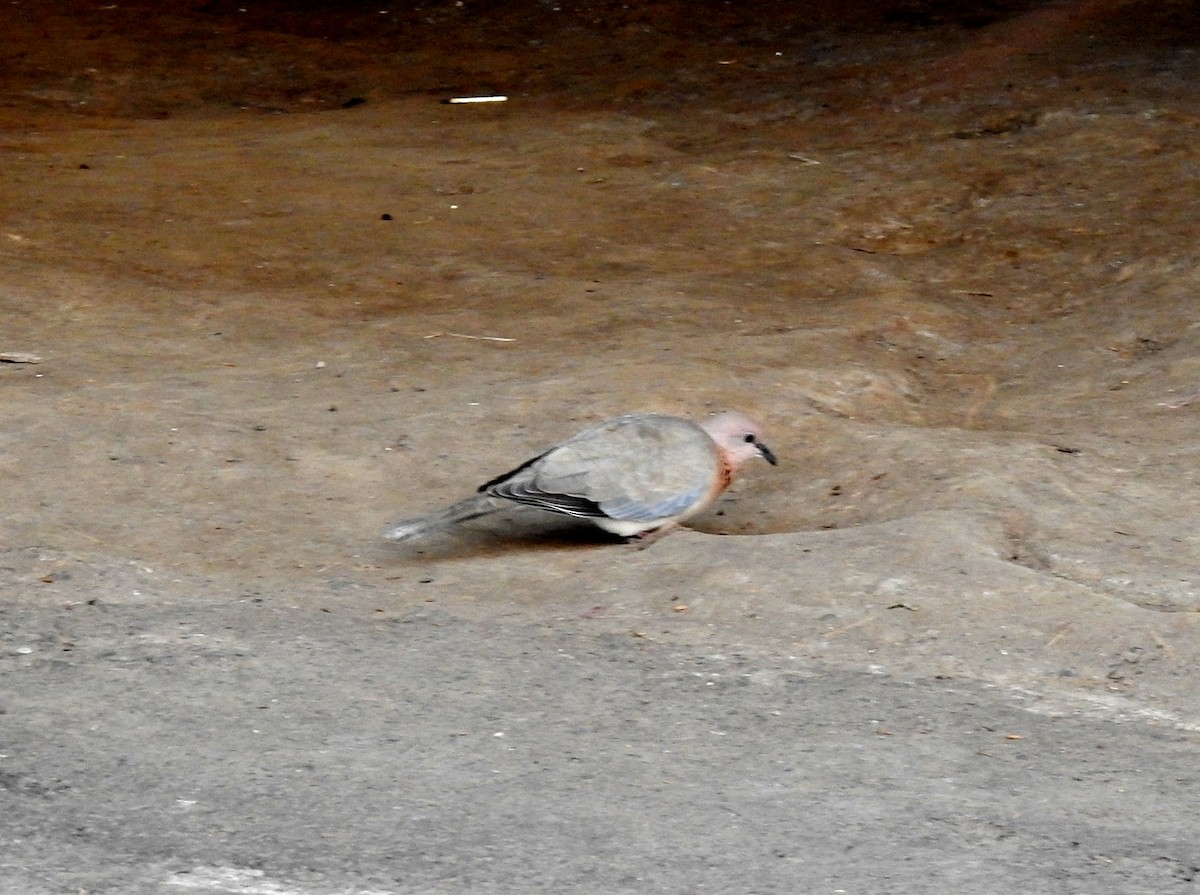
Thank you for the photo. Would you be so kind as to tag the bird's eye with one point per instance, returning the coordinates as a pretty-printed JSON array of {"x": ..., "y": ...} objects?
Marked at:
[{"x": 748, "y": 438}]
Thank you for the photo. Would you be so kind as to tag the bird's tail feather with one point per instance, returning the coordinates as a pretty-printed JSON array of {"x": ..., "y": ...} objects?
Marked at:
[{"x": 471, "y": 508}]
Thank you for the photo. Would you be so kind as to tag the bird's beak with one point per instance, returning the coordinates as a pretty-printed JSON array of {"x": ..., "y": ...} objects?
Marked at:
[{"x": 767, "y": 453}]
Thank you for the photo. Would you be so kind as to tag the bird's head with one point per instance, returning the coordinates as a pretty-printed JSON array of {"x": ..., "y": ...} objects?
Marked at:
[{"x": 738, "y": 437}]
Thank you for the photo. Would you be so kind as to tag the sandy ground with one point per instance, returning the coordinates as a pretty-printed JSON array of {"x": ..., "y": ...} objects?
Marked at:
[{"x": 263, "y": 293}]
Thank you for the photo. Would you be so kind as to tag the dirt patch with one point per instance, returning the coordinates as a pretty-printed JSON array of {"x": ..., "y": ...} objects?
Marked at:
[{"x": 279, "y": 295}]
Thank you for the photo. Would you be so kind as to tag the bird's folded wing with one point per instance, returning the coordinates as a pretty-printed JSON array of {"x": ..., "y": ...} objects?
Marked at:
[{"x": 643, "y": 473}]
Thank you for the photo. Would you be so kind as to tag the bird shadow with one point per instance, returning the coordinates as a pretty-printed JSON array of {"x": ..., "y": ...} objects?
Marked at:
[{"x": 519, "y": 533}]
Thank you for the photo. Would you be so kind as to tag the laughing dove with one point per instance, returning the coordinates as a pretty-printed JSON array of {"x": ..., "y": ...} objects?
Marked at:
[{"x": 635, "y": 476}]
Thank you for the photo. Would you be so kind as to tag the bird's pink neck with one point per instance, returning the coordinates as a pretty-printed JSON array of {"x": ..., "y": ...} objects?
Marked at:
[{"x": 724, "y": 474}]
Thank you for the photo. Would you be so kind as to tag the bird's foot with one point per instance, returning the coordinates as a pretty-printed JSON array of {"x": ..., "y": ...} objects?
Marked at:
[{"x": 644, "y": 539}]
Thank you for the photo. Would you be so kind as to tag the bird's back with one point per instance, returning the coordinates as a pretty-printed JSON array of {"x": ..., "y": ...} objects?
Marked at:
[{"x": 641, "y": 467}]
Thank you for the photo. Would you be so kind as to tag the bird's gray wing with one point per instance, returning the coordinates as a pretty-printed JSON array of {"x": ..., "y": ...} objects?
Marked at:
[{"x": 640, "y": 468}]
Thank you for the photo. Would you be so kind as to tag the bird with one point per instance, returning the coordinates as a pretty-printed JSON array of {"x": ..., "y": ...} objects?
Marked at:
[{"x": 637, "y": 476}]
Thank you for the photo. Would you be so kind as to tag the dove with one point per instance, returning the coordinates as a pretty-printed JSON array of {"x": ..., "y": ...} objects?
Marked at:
[{"x": 636, "y": 476}]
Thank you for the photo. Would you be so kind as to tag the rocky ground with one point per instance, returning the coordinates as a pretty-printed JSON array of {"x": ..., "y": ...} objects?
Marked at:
[{"x": 262, "y": 293}]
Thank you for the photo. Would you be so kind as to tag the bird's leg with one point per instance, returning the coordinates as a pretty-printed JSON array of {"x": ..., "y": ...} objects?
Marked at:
[{"x": 646, "y": 538}]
